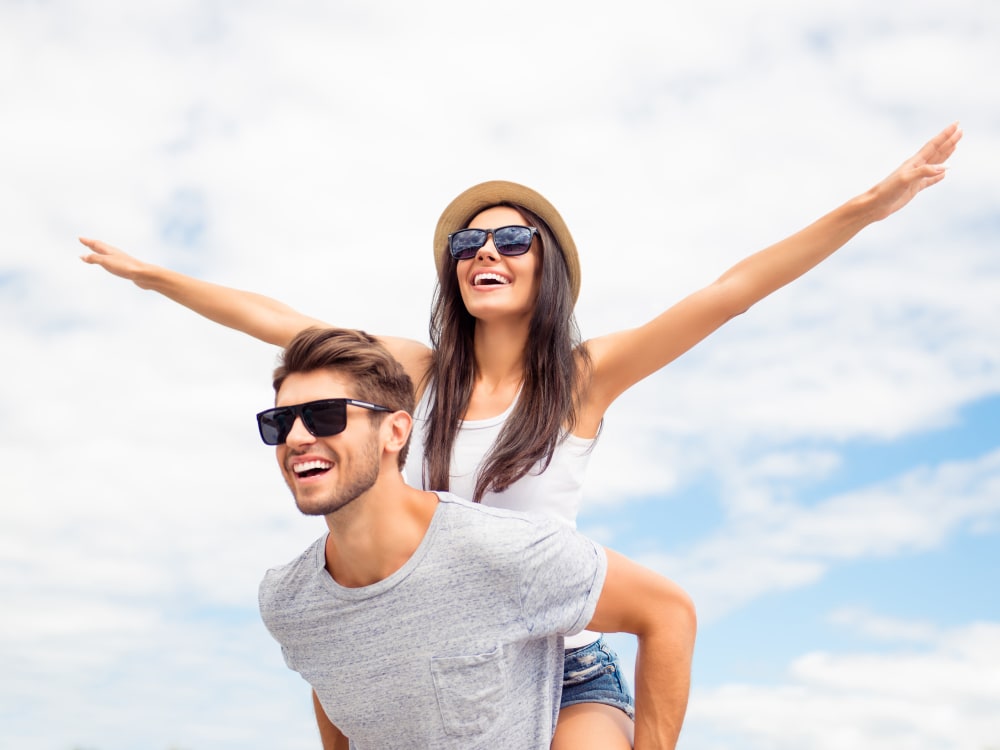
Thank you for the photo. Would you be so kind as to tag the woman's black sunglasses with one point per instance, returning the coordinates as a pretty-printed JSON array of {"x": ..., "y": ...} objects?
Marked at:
[
  {"x": 513, "y": 240},
  {"x": 323, "y": 418}
]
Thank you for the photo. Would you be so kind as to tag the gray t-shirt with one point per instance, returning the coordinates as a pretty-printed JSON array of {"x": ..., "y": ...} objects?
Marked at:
[{"x": 460, "y": 648}]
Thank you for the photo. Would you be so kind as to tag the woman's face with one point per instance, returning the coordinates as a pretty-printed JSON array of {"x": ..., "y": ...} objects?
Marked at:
[{"x": 495, "y": 285}]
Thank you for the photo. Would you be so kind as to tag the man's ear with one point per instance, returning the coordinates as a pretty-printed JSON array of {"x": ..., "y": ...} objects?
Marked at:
[{"x": 396, "y": 431}]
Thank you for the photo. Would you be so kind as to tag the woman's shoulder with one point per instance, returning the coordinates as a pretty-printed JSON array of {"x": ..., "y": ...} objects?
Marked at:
[{"x": 415, "y": 357}]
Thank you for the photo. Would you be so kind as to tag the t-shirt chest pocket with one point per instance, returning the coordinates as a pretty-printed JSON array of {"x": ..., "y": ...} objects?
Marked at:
[{"x": 471, "y": 691}]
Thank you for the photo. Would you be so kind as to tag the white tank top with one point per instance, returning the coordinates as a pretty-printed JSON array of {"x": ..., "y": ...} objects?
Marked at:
[{"x": 555, "y": 492}]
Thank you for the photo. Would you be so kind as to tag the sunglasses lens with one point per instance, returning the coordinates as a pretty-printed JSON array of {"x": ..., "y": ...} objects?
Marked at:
[
  {"x": 325, "y": 419},
  {"x": 512, "y": 240},
  {"x": 275, "y": 424},
  {"x": 465, "y": 243}
]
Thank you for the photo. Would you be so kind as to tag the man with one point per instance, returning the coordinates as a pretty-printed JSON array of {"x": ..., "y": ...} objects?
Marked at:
[{"x": 422, "y": 620}]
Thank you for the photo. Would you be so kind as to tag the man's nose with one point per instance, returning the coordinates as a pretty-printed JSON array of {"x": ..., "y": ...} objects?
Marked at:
[{"x": 299, "y": 435}]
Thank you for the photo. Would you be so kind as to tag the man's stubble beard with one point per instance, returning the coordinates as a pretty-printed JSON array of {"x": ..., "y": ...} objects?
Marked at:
[{"x": 365, "y": 474}]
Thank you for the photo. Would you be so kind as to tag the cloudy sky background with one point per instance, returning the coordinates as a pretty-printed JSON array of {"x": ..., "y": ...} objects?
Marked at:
[{"x": 823, "y": 475}]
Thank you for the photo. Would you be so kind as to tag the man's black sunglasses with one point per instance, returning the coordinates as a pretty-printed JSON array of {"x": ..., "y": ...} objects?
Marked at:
[
  {"x": 512, "y": 240},
  {"x": 323, "y": 418}
]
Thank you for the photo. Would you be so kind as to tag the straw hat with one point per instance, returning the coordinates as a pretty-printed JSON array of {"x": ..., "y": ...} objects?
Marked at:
[{"x": 460, "y": 212}]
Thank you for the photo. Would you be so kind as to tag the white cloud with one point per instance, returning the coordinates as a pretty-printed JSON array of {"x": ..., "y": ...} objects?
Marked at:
[
  {"x": 774, "y": 545},
  {"x": 888, "y": 629},
  {"x": 941, "y": 696}
]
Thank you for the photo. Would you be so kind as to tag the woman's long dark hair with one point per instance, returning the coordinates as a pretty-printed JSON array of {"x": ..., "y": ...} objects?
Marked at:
[{"x": 554, "y": 364}]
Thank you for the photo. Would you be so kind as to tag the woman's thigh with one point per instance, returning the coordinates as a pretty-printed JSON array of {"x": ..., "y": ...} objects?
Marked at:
[
  {"x": 593, "y": 726},
  {"x": 597, "y": 705}
]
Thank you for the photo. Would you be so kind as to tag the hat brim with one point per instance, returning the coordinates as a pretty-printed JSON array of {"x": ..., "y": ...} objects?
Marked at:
[{"x": 479, "y": 197}]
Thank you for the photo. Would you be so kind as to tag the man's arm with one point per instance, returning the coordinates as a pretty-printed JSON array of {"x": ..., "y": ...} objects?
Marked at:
[
  {"x": 331, "y": 737},
  {"x": 637, "y": 600}
]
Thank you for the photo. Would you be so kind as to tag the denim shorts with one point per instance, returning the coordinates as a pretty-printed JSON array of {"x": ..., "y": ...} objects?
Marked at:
[{"x": 593, "y": 674}]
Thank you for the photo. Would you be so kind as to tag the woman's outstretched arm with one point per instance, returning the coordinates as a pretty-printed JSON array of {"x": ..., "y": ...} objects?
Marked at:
[
  {"x": 622, "y": 359},
  {"x": 261, "y": 317}
]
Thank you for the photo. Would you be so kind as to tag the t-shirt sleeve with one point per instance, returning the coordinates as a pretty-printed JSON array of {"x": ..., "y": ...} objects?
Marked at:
[{"x": 561, "y": 577}]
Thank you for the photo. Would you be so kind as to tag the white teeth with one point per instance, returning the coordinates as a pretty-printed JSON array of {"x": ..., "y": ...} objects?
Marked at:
[
  {"x": 481, "y": 278},
  {"x": 310, "y": 466}
]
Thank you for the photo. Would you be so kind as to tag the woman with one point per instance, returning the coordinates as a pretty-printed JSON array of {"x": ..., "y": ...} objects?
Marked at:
[{"x": 510, "y": 401}]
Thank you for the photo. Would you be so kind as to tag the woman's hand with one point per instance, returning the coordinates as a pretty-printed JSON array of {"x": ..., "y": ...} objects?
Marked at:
[
  {"x": 113, "y": 260},
  {"x": 923, "y": 169}
]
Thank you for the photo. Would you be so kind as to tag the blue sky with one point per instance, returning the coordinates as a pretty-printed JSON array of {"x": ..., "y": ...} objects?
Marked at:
[{"x": 822, "y": 475}]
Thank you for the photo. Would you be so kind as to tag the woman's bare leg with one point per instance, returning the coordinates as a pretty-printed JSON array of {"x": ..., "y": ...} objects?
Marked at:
[{"x": 593, "y": 726}]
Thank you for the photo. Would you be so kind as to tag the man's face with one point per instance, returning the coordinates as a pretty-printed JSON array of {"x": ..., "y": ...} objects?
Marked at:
[{"x": 327, "y": 473}]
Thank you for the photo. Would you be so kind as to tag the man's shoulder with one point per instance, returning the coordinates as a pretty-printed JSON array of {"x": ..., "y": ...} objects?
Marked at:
[
  {"x": 291, "y": 576},
  {"x": 469, "y": 512},
  {"x": 484, "y": 531}
]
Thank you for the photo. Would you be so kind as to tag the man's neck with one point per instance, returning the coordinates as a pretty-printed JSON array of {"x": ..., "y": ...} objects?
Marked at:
[{"x": 375, "y": 535}]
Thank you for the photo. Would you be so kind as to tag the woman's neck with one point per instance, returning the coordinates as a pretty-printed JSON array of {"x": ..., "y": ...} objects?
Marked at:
[{"x": 499, "y": 348}]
